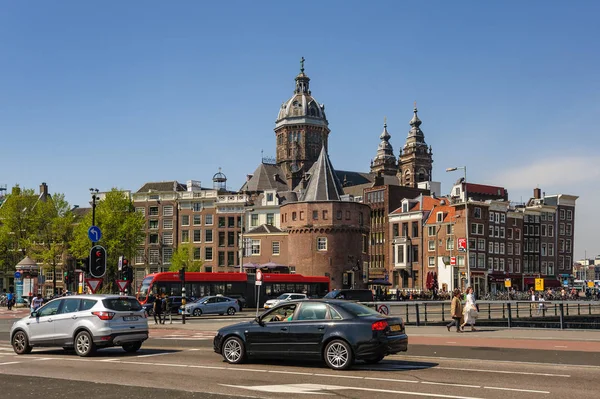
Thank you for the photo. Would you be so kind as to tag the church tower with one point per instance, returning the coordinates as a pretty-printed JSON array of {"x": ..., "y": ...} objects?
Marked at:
[
  {"x": 385, "y": 161},
  {"x": 301, "y": 130},
  {"x": 415, "y": 161}
]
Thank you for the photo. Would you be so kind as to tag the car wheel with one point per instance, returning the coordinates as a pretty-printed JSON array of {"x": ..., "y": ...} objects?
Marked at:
[
  {"x": 231, "y": 311},
  {"x": 20, "y": 343},
  {"x": 132, "y": 347},
  {"x": 84, "y": 344},
  {"x": 234, "y": 350},
  {"x": 197, "y": 312},
  {"x": 338, "y": 355},
  {"x": 374, "y": 360}
]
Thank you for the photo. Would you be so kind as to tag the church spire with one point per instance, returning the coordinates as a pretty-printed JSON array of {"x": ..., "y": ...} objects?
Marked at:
[
  {"x": 385, "y": 161},
  {"x": 416, "y": 158},
  {"x": 302, "y": 81}
]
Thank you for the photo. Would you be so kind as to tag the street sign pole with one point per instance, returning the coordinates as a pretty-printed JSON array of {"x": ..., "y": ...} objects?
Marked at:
[{"x": 258, "y": 287}]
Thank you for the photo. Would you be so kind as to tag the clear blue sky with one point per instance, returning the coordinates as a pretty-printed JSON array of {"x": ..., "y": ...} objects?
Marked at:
[{"x": 116, "y": 94}]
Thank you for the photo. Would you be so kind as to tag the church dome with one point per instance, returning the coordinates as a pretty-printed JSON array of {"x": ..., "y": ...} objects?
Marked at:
[{"x": 301, "y": 107}]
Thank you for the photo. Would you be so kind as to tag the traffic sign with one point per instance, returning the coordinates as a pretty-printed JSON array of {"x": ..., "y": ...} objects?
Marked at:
[
  {"x": 94, "y": 233},
  {"x": 93, "y": 283},
  {"x": 123, "y": 284},
  {"x": 539, "y": 284},
  {"x": 258, "y": 275},
  {"x": 590, "y": 284},
  {"x": 383, "y": 309},
  {"x": 120, "y": 264},
  {"x": 17, "y": 274},
  {"x": 258, "y": 282},
  {"x": 453, "y": 260},
  {"x": 507, "y": 282},
  {"x": 462, "y": 244}
]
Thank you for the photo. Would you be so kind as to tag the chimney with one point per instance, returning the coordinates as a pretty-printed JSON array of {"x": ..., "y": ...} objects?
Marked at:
[
  {"x": 537, "y": 193},
  {"x": 44, "y": 190}
]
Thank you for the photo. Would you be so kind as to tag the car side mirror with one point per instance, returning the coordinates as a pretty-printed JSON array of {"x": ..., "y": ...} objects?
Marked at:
[{"x": 259, "y": 321}]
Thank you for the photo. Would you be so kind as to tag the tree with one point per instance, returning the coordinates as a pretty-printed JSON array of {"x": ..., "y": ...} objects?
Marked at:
[
  {"x": 184, "y": 257},
  {"x": 17, "y": 215},
  {"x": 122, "y": 231}
]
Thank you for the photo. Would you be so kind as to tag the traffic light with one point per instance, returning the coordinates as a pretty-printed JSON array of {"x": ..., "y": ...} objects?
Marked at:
[
  {"x": 182, "y": 274},
  {"x": 125, "y": 268},
  {"x": 97, "y": 261}
]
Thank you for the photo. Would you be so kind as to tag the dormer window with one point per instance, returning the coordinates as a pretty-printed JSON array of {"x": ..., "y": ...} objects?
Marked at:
[
  {"x": 405, "y": 207},
  {"x": 440, "y": 217}
]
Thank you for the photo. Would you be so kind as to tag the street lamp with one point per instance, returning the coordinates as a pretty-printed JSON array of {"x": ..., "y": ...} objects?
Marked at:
[{"x": 466, "y": 199}]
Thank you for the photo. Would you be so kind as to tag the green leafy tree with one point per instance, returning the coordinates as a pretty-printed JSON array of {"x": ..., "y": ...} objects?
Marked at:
[
  {"x": 17, "y": 216},
  {"x": 184, "y": 257},
  {"x": 122, "y": 232}
]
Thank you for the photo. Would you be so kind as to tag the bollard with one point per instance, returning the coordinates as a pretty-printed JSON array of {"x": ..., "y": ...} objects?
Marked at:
[
  {"x": 443, "y": 313},
  {"x": 578, "y": 310},
  {"x": 417, "y": 314},
  {"x": 509, "y": 315},
  {"x": 407, "y": 313},
  {"x": 562, "y": 318},
  {"x": 425, "y": 304},
  {"x": 489, "y": 311},
  {"x": 517, "y": 303},
  {"x": 503, "y": 313}
]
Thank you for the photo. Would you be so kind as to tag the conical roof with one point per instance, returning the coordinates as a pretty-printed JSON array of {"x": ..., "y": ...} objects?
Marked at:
[{"x": 323, "y": 184}]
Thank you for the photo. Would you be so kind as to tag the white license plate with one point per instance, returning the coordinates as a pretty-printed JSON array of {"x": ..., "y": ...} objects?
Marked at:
[{"x": 130, "y": 318}]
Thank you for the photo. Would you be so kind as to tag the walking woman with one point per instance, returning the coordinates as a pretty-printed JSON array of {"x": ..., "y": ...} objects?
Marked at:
[
  {"x": 455, "y": 311},
  {"x": 470, "y": 310}
]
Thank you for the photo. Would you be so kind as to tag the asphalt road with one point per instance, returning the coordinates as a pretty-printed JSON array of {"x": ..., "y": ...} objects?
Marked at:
[{"x": 179, "y": 363}]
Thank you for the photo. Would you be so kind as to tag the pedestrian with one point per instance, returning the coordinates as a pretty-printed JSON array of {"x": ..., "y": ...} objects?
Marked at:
[
  {"x": 36, "y": 302},
  {"x": 10, "y": 300},
  {"x": 455, "y": 311},
  {"x": 157, "y": 309},
  {"x": 167, "y": 304},
  {"x": 470, "y": 310}
]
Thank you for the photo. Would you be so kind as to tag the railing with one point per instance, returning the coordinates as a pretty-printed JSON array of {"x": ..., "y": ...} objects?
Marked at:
[{"x": 549, "y": 314}]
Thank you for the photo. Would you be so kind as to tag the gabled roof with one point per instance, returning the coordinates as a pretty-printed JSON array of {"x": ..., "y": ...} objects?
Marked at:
[
  {"x": 448, "y": 210},
  {"x": 80, "y": 212},
  {"x": 265, "y": 229},
  {"x": 163, "y": 186},
  {"x": 266, "y": 177},
  {"x": 428, "y": 204},
  {"x": 323, "y": 184}
]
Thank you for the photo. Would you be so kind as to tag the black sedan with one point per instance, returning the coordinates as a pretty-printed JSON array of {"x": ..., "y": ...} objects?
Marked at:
[{"x": 338, "y": 332}]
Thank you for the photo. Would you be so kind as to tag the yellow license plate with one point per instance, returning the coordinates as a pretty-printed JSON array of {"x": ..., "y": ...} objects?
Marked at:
[{"x": 395, "y": 327}]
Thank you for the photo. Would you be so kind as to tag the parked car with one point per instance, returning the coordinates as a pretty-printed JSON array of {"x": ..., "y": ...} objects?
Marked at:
[
  {"x": 241, "y": 300},
  {"x": 211, "y": 305},
  {"x": 351, "y": 295},
  {"x": 335, "y": 331},
  {"x": 175, "y": 301},
  {"x": 83, "y": 323},
  {"x": 283, "y": 298}
]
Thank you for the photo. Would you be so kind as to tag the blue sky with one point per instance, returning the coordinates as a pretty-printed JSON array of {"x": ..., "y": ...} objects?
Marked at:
[{"x": 116, "y": 94}]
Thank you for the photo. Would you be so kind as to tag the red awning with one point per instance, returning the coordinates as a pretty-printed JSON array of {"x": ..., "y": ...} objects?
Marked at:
[{"x": 552, "y": 283}]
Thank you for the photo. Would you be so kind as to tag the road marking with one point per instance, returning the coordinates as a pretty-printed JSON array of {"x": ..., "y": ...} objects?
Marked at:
[
  {"x": 339, "y": 376},
  {"x": 516, "y": 390},
  {"x": 506, "y": 362},
  {"x": 391, "y": 380},
  {"x": 503, "y": 372},
  {"x": 193, "y": 350},
  {"x": 450, "y": 384},
  {"x": 289, "y": 372},
  {"x": 155, "y": 354},
  {"x": 560, "y": 346},
  {"x": 451, "y": 342},
  {"x": 316, "y": 388},
  {"x": 7, "y": 363}
]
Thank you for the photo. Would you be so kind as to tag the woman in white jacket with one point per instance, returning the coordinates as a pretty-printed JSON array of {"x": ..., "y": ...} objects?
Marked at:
[{"x": 470, "y": 310}]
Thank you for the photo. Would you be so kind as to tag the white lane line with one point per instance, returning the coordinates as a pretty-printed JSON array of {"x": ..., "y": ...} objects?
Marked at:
[
  {"x": 450, "y": 384},
  {"x": 193, "y": 350},
  {"x": 7, "y": 363},
  {"x": 451, "y": 342},
  {"x": 504, "y": 362},
  {"x": 339, "y": 376},
  {"x": 170, "y": 364},
  {"x": 516, "y": 390},
  {"x": 154, "y": 354},
  {"x": 207, "y": 367},
  {"x": 503, "y": 372},
  {"x": 289, "y": 372},
  {"x": 560, "y": 346},
  {"x": 108, "y": 360},
  {"x": 391, "y": 380}
]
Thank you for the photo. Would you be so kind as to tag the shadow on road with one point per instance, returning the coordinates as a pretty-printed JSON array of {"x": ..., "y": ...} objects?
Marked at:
[
  {"x": 384, "y": 365},
  {"x": 105, "y": 353}
]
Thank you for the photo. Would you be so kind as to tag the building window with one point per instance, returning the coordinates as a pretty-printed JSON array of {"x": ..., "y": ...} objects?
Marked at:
[
  {"x": 153, "y": 224},
  {"x": 208, "y": 254},
  {"x": 315, "y": 215},
  {"x": 543, "y": 253},
  {"x": 473, "y": 244},
  {"x": 221, "y": 238},
  {"x": 491, "y": 219},
  {"x": 154, "y": 255},
  {"x": 501, "y": 264},
  {"x": 197, "y": 253},
  {"x": 477, "y": 213},
  {"x": 509, "y": 263},
  {"x": 153, "y": 211},
  {"x": 496, "y": 247},
  {"x": 140, "y": 256},
  {"x": 449, "y": 244},
  {"x": 550, "y": 249},
  {"x": 509, "y": 248},
  {"x": 269, "y": 197},
  {"x": 449, "y": 228},
  {"x": 415, "y": 229},
  {"x": 338, "y": 215},
  {"x": 141, "y": 210},
  {"x": 168, "y": 238},
  {"x": 167, "y": 255},
  {"x": 168, "y": 210},
  {"x": 185, "y": 220},
  {"x": 569, "y": 231},
  {"x": 167, "y": 223},
  {"x": 481, "y": 260},
  {"x": 440, "y": 217},
  {"x": 324, "y": 215},
  {"x": 230, "y": 238},
  {"x": 197, "y": 220},
  {"x": 231, "y": 222},
  {"x": 395, "y": 230},
  {"x": 517, "y": 234},
  {"x": 550, "y": 230},
  {"x": 431, "y": 230},
  {"x": 501, "y": 248},
  {"x": 197, "y": 206},
  {"x": 431, "y": 261},
  {"x": 490, "y": 263},
  {"x": 517, "y": 249},
  {"x": 568, "y": 246},
  {"x": 502, "y": 218},
  {"x": 562, "y": 217},
  {"x": 490, "y": 247},
  {"x": 481, "y": 244},
  {"x": 254, "y": 220},
  {"x": 431, "y": 245},
  {"x": 221, "y": 221},
  {"x": 197, "y": 235},
  {"x": 270, "y": 219},
  {"x": 221, "y": 261},
  {"x": 322, "y": 244},
  {"x": 347, "y": 215},
  {"x": 294, "y": 216},
  {"x": 255, "y": 245},
  {"x": 275, "y": 247},
  {"x": 208, "y": 219},
  {"x": 569, "y": 215},
  {"x": 153, "y": 238},
  {"x": 230, "y": 258},
  {"x": 208, "y": 235},
  {"x": 509, "y": 233},
  {"x": 517, "y": 266},
  {"x": 551, "y": 268}
]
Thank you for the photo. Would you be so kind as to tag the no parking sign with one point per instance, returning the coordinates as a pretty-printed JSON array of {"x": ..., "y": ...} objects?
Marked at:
[{"x": 383, "y": 309}]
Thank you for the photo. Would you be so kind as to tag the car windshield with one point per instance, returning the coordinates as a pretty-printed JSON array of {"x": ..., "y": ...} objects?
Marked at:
[
  {"x": 358, "y": 309},
  {"x": 332, "y": 294},
  {"x": 283, "y": 296}
]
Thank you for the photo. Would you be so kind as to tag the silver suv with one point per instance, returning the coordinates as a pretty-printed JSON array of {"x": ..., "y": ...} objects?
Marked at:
[{"x": 83, "y": 323}]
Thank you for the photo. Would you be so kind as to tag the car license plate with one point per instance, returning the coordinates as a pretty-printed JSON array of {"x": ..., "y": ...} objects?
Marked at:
[
  {"x": 395, "y": 327},
  {"x": 130, "y": 318}
]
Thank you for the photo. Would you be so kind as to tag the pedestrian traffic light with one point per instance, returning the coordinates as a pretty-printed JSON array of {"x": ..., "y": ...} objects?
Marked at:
[
  {"x": 182, "y": 274},
  {"x": 97, "y": 261}
]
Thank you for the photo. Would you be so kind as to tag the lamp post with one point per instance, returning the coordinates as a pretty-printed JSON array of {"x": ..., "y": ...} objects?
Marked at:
[
  {"x": 94, "y": 192},
  {"x": 466, "y": 199}
]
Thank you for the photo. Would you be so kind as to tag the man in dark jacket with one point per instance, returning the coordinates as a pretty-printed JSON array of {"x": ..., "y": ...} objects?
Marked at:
[{"x": 158, "y": 309}]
